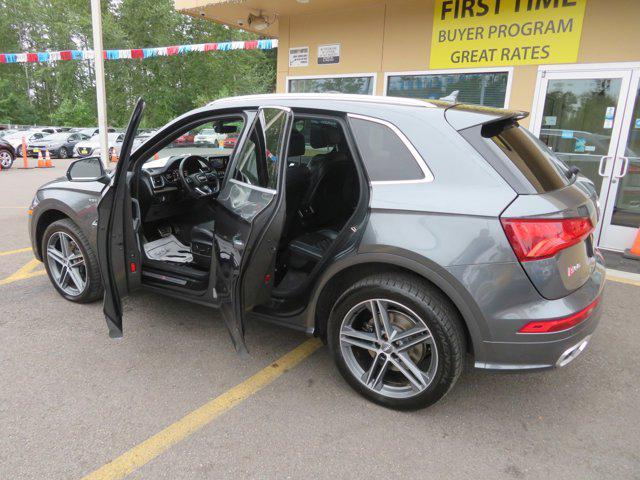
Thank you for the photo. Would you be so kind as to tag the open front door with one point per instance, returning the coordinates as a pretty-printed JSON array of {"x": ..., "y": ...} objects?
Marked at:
[
  {"x": 118, "y": 224},
  {"x": 249, "y": 219}
]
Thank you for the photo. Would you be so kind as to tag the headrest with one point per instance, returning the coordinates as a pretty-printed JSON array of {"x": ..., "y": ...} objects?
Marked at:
[
  {"x": 325, "y": 136},
  {"x": 296, "y": 144},
  {"x": 317, "y": 138}
]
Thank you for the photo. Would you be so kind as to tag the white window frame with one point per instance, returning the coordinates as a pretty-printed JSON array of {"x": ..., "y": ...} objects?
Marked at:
[
  {"x": 455, "y": 71},
  {"x": 336, "y": 75}
]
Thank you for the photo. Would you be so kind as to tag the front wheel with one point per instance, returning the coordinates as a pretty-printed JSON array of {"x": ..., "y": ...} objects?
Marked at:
[
  {"x": 6, "y": 159},
  {"x": 397, "y": 340},
  {"x": 71, "y": 263},
  {"x": 62, "y": 153}
]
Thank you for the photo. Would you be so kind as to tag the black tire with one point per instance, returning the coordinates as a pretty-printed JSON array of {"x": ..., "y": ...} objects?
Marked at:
[
  {"x": 93, "y": 289},
  {"x": 433, "y": 308},
  {"x": 62, "y": 153},
  {"x": 6, "y": 159}
]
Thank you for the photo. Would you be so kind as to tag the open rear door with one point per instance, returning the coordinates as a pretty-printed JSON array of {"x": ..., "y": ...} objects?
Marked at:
[
  {"x": 249, "y": 219},
  {"x": 118, "y": 224}
]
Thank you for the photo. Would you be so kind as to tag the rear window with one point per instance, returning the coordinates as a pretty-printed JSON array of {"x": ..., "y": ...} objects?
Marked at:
[
  {"x": 529, "y": 155},
  {"x": 385, "y": 155}
]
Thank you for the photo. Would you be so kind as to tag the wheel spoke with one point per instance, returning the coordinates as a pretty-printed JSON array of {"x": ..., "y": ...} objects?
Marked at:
[
  {"x": 76, "y": 260},
  {"x": 75, "y": 277},
  {"x": 64, "y": 273},
  {"x": 411, "y": 337},
  {"x": 56, "y": 255},
  {"x": 381, "y": 317},
  {"x": 376, "y": 320},
  {"x": 373, "y": 377},
  {"x": 410, "y": 370},
  {"x": 358, "y": 338},
  {"x": 64, "y": 245}
]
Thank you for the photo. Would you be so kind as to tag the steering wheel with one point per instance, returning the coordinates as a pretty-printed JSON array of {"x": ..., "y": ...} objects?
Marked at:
[{"x": 199, "y": 183}]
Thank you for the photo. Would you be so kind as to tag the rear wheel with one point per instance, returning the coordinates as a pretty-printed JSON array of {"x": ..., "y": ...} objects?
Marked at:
[
  {"x": 6, "y": 159},
  {"x": 71, "y": 263},
  {"x": 397, "y": 340}
]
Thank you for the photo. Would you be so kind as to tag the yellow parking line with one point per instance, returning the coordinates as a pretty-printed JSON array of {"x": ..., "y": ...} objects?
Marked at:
[
  {"x": 194, "y": 421},
  {"x": 19, "y": 250},
  {"x": 623, "y": 280},
  {"x": 27, "y": 271}
]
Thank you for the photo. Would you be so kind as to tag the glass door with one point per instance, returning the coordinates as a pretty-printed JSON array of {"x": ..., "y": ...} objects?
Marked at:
[
  {"x": 622, "y": 211},
  {"x": 581, "y": 115}
]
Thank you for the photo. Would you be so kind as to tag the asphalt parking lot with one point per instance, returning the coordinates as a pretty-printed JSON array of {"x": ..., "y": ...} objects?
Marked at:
[{"x": 162, "y": 401}]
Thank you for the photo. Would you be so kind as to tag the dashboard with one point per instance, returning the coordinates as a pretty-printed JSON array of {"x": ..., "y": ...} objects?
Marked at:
[{"x": 165, "y": 178}]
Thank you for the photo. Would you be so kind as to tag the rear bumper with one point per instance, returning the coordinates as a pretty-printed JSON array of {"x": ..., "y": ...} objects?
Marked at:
[{"x": 508, "y": 300}]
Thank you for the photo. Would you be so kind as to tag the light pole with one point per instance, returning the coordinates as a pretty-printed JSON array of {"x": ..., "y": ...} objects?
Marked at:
[{"x": 101, "y": 96}]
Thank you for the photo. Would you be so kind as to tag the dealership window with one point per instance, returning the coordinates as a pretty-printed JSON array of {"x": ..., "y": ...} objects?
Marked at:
[
  {"x": 478, "y": 88},
  {"x": 362, "y": 85}
]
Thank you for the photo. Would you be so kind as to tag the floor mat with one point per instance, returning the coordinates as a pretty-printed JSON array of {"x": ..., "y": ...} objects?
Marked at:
[{"x": 168, "y": 249}]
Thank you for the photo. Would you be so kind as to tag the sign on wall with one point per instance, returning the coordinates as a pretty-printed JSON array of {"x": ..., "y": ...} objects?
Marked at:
[
  {"x": 477, "y": 33},
  {"x": 328, "y": 54},
  {"x": 299, "y": 57}
]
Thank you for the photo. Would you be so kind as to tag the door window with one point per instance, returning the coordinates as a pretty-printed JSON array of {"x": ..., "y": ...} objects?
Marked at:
[{"x": 257, "y": 162}]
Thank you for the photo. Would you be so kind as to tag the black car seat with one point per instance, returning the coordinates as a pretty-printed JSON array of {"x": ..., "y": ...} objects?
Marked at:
[{"x": 329, "y": 199}]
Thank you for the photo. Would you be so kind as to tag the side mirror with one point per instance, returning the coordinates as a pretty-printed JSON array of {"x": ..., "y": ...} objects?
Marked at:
[{"x": 86, "y": 170}]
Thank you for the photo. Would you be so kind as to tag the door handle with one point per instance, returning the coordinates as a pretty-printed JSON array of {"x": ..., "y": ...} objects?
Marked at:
[
  {"x": 602, "y": 168},
  {"x": 625, "y": 167}
]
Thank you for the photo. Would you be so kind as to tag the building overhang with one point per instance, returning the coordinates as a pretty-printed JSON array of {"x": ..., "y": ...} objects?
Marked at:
[{"x": 235, "y": 13}]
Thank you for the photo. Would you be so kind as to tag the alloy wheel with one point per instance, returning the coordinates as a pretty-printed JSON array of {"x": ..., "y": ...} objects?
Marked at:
[
  {"x": 66, "y": 263},
  {"x": 62, "y": 153},
  {"x": 388, "y": 348},
  {"x": 5, "y": 159}
]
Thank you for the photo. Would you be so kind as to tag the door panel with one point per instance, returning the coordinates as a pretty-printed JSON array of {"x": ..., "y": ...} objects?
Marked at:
[
  {"x": 117, "y": 240},
  {"x": 249, "y": 219}
]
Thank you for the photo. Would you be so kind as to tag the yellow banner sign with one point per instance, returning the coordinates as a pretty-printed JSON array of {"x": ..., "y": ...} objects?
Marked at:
[{"x": 477, "y": 33}]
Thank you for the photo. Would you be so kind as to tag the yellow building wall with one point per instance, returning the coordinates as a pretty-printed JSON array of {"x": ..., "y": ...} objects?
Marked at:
[{"x": 395, "y": 36}]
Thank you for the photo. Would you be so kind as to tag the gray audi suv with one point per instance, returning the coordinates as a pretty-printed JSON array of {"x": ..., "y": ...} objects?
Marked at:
[{"x": 407, "y": 234}]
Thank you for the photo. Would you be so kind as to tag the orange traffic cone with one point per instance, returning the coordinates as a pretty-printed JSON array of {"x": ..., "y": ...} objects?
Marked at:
[
  {"x": 48, "y": 163},
  {"x": 634, "y": 251},
  {"x": 156, "y": 156},
  {"x": 25, "y": 162},
  {"x": 114, "y": 157},
  {"x": 40, "y": 161}
]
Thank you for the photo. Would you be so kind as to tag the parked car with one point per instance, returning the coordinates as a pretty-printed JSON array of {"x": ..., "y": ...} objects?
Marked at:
[
  {"x": 15, "y": 139},
  {"x": 90, "y": 132},
  {"x": 8, "y": 131},
  {"x": 7, "y": 154},
  {"x": 404, "y": 233},
  {"x": 209, "y": 135},
  {"x": 137, "y": 141},
  {"x": 58, "y": 145},
  {"x": 91, "y": 147},
  {"x": 186, "y": 138},
  {"x": 230, "y": 141}
]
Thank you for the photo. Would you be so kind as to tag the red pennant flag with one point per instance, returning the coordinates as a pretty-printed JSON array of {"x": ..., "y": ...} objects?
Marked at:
[
  {"x": 65, "y": 55},
  {"x": 32, "y": 57},
  {"x": 251, "y": 45},
  {"x": 137, "y": 53},
  {"x": 210, "y": 46},
  {"x": 172, "y": 50},
  {"x": 104, "y": 54},
  {"x": 3, "y": 58}
]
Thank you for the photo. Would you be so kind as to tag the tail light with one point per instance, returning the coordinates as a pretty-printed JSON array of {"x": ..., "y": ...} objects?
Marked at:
[
  {"x": 560, "y": 324},
  {"x": 535, "y": 238}
]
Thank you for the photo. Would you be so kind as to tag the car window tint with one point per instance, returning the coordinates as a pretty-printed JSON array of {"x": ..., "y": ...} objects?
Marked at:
[
  {"x": 385, "y": 155},
  {"x": 247, "y": 166},
  {"x": 274, "y": 121}
]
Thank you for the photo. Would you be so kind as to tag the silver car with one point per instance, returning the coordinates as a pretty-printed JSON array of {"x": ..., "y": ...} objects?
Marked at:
[{"x": 408, "y": 235}]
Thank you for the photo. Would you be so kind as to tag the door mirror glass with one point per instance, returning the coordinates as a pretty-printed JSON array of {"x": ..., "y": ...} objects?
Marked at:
[{"x": 86, "y": 169}]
